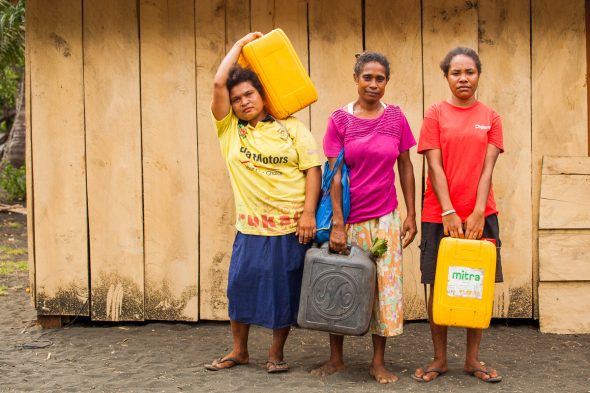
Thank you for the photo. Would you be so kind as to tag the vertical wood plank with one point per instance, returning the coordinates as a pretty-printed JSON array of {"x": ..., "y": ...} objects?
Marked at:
[
  {"x": 334, "y": 39},
  {"x": 216, "y": 204},
  {"x": 291, "y": 16},
  {"x": 504, "y": 49},
  {"x": 113, "y": 145},
  {"x": 263, "y": 15},
  {"x": 57, "y": 145},
  {"x": 237, "y": 21},
  {"x": 559, "y": 91},
  {"x": 29, "y": 158},
  {"x": 170, "y": 167},
  {"x": 446, "y": 24},
  {"x": 395, "y": 31}
]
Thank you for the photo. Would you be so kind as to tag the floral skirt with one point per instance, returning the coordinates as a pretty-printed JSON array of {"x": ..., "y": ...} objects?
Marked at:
[{"x": 387, "y": 318}]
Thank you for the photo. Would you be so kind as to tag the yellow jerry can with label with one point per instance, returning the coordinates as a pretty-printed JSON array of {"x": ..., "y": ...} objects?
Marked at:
[
  {"x": 287, "y": 86},
  {"x": 464, "y": 283}
]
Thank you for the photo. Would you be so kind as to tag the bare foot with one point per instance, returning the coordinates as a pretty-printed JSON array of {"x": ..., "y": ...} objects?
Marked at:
[
  {"x": 479, "y": 370},
  {"x": 432, "y": 371},
  {"x": 381, "y": 375},
  {"x": 327, "y": 368}
]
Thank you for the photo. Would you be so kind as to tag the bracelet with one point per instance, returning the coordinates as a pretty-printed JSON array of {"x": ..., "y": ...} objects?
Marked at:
[{"x": 451, "y": 211}]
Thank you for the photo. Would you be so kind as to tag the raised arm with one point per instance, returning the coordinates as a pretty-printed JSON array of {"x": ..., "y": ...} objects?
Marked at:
[
  {"x": 220, "y": 104},
  {"x": 451, "y": 222},
  {"x": 476, "y": 220}
]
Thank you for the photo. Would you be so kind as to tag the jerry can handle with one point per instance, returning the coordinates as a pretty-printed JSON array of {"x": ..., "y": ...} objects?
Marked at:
[{"x": 326, "y": 245}]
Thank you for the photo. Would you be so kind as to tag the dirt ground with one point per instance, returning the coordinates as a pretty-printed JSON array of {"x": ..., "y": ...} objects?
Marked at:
[{"x": 169, "y": 357}]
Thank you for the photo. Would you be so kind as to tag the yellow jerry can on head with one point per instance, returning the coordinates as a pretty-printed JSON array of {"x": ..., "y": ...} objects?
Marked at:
[
  {"x": 464, "y": 283},
  {"x": 286, "y": 84}
]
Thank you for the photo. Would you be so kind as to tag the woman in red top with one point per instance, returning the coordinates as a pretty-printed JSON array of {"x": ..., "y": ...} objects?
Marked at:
[{"x": 461, "y": 138}]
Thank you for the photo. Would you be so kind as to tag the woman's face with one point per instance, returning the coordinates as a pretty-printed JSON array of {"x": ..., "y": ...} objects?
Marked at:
[
  {"x": 371, "y": 82},
  {"x": 463, "y": 78},
  {"x": 246, "y": 102}
]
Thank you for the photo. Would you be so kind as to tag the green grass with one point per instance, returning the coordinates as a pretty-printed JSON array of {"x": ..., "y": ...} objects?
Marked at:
[
  {"x": 13, "y": 251},
  {"x": 10, "y": 267},
  {"x": 11, "y": 224},
  {"x": 3, "y": 290}
]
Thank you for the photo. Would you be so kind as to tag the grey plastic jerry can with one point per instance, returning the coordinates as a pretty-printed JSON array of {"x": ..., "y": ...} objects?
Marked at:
[{"x": 337, "y": 291}]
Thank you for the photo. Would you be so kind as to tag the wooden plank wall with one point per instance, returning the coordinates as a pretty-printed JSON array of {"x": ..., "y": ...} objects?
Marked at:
[
  {"x": 114, "y": 159},
  {"x": 54, "y": 33},
  {"x": 504, "y": 49},
  {"x": 216, "y": 216},
  {"x": 29, "y": 158},
  {"x": 170, "y": 162},
  {"x": 333, "y": 42},
  {"x": 558, "y": 94},
  {"x": 564, "y": 245},
  {"x": 132, "y": 202},
  {"x": 395, "y": 31}
]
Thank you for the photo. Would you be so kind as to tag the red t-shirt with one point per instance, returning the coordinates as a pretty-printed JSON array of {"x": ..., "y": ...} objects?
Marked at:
[{"x": 462, "y": 135}]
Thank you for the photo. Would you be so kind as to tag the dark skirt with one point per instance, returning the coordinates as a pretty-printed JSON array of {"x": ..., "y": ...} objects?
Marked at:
[
  {"x": 264, "y": 281},
  {"x": 432, "y": 234}
]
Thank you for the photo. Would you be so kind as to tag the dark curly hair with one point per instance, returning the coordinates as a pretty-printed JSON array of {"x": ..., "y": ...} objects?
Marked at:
[
  {"x": 460, "y": 50},
  {"x": 238, "y": 75},
  {"x": 367, "y": 57}
]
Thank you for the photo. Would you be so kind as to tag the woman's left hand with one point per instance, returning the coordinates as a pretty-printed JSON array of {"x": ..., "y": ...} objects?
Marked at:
[
  {"x": 409, "y": 231},
  {"x": 474, "y": 225},
  {"x": 306, "y": 227}
]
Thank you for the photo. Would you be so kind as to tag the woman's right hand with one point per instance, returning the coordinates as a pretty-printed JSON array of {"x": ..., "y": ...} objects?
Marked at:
[
  {"x": 248, "y": 38},
  {"x": 338, "y": 239},
  {"x": 453, "y": 226}
]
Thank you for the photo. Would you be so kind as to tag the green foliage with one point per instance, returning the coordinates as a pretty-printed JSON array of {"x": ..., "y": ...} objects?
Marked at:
[
  {"x": 12, "y": 56},
  {"x": 12, "y": 33},
  {"x": 379, "y": 247},
  {"x": 9, "y": 79},
  {"x": 3, "y": 289},
  {"x": 13, "y": 182},
  {"x": 3, "y": 126}
]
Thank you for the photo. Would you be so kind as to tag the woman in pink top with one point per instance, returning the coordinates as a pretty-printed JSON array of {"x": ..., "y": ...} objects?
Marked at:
[{"x": 374, "y": 136}]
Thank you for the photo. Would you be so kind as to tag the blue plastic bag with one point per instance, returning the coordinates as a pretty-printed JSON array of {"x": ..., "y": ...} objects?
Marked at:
[{"x": 324, "y": 213}]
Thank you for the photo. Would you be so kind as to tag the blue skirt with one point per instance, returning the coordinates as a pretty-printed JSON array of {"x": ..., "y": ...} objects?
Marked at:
[{"x": 264, "y": 281}]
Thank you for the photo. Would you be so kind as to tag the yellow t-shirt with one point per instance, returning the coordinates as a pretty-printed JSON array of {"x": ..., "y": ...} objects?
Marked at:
[{"x": 266, "y": 165}]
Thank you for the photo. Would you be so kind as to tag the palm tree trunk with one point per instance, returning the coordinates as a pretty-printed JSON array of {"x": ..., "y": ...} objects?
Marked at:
[{"x": 14, "y": 151}]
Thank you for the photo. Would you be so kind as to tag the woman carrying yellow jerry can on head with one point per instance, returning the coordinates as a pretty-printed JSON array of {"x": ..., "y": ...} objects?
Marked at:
[
  {"x": 275, "y": 176},
  {"x": 461, "y": 138}
]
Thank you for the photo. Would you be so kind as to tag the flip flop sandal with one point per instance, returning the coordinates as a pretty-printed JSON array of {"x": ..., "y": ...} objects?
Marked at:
[
  {"x": 427, "y": 370},
  {"x": 214, "y": 366},
  {"x": 491, "y": 379},
  {"x": 276, "y": 367}
]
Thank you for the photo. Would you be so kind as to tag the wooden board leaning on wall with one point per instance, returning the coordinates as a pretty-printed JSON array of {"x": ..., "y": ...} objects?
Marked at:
[{"x": 564, "y": 245}]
